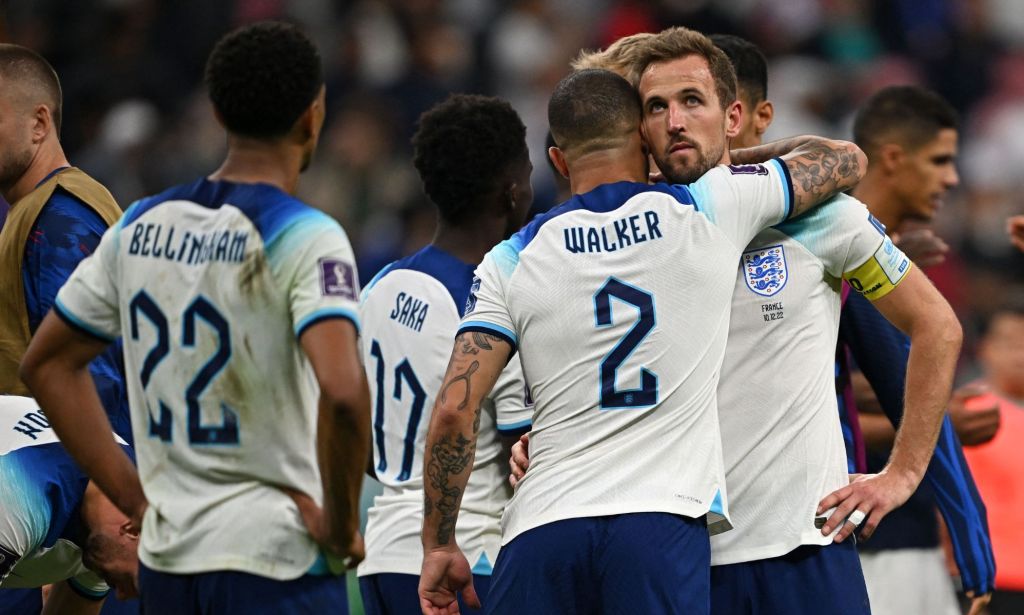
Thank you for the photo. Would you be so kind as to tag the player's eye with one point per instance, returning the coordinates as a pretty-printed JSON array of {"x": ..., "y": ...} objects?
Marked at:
[
  {"x": 655, "y": 106},
  {"x": 692, "y": 101}
]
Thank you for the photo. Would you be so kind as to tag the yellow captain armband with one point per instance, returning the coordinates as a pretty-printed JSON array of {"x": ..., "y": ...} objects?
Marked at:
[{"x": 881, "y": 273}]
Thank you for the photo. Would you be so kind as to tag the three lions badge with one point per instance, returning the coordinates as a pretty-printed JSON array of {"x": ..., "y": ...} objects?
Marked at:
[{"x": 764, "y": 270}]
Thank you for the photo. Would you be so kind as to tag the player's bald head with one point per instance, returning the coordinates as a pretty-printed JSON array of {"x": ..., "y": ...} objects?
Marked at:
[
  {"x": 593, "y": 110},
  {"x": 621, "y": 57},
  {"x": 906, "y": 115},
  {"x": 28, "y": 80}
]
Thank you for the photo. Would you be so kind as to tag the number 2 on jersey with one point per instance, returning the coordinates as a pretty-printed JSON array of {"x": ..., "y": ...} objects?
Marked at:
[
  {"x": 161, "y": 426},
  {"x": 643, "y": 301},
  {"x": 403, "y": 372}
]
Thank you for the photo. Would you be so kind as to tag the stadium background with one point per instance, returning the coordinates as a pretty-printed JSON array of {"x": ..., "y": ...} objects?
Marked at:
[{"x": 136, "y": 116}]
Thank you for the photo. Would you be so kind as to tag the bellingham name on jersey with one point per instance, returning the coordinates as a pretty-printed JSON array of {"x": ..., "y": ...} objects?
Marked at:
[
  {"x": 227, "y": 246},
  {"x": 625, "y": 232}
]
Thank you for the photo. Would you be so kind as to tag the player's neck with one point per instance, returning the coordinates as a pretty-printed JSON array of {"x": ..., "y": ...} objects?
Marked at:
[
  {"x": 257, "y": 162},
  {"x": 468, "y": 244},
  {"x": 881, "y": 201},
  {"x": 605, "y": 167},
  {"x": 47, "y": 159}
]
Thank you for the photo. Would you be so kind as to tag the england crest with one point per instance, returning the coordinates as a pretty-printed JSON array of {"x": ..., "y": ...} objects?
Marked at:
[{"x": 765, "y": 270}]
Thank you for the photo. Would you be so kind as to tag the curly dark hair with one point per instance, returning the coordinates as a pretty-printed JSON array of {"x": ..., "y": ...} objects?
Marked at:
[
  {"x": 464, "y": 149},
  {"x": 262, "y": 77}
]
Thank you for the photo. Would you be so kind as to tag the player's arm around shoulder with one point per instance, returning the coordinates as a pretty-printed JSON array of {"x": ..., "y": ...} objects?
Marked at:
[
  {"x": 819, "y": 168},
  {"x": 915, "y": 307},
  {"x": 477, "y": 360}
]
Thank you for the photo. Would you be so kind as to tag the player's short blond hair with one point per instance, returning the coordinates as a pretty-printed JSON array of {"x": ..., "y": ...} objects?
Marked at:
[
  {"x": 675, "y": 43},
  {"x": 621, "y": 57}
]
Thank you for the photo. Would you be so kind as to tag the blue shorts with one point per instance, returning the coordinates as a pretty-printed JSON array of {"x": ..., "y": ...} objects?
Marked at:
[
  {"x": 229, "y": 592},
  {"x": 21, "y": 601},
  {"x": 810, "y": 579},
  {"x": 398, "y": 594},
  {"x": 635, "y": 563}
]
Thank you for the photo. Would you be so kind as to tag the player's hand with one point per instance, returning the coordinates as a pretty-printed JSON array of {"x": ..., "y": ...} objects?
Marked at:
[
  {"x": 978, "y": 603},
  {"x": 445, "y": 574},
  {"x": 975, "y": 423},
  {"x": 519, "y": 462},
  {"x": 1015, "y": 227},
  {"x": 350, "y": 550},
  {"x": 922, "y": 246},
  {"x": 874, "y": 495}
]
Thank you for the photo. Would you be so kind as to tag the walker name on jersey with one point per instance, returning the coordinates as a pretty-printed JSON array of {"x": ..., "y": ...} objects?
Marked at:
[
  {"x": 621, "y": 233},
  {"x": 154, "y": 241},
  {"x": 410, "y": 311}
]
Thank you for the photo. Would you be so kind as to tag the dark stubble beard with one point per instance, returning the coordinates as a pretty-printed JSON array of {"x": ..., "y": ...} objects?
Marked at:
[
  {"x": 13, "y": 165},
  {"x": 677, "y": 173}
]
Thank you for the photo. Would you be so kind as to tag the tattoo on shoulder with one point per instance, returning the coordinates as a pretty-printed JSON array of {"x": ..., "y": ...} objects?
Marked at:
[{"x": 448, "y": 457}]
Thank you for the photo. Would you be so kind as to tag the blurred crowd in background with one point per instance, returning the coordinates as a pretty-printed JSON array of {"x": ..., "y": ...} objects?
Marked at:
[{"x": 136, "y": 115}]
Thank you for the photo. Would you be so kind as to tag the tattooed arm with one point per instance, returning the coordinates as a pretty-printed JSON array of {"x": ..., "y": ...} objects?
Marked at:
[
  {"x": 819, "y": 168},
  {"x": 477, "y": 360}
]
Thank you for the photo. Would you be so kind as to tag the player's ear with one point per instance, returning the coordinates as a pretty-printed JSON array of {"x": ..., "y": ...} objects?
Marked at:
[
  {"x": 219, "y": 117},
  {"x": 558, "y": 159},
  {"x": 312, "y": 119},
  {"x": 510, "y": 195},
  {"x": 42, "y": 123},
  {"x": 126, "y": 529},
  {"x": 890, "y": 157},
  {"x": 764, "y": 113},
  {"x": 733, "y": 118}
]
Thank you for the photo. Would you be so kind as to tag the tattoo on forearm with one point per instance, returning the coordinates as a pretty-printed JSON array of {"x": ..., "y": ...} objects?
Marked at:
[
  {"x": 464, "y": 376},
  {"x": 448, "y": 458},
  {"x": 821, "y": 171},
  {"x": 476, "y": 420}
]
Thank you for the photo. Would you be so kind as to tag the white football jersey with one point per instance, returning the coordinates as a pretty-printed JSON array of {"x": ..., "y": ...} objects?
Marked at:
[
  {"x": 41, "y": 489},
  {"x": 781, "y": 437},
  {"x": 211, "y": 284},
  {"x": 410, "y": 314},
  {"x": 618, "y": 301}
]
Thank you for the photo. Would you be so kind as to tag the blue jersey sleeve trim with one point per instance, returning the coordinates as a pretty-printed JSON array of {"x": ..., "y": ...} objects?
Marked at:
[
  {"x": 78, "y": 324},
  {"x": 326, "y": 314},
  {"x": 517, "y": 427},
  {"x": 85, "y": 592},
  {"x": 788, "y": 188},
  {"x": 486, "y": 327}
]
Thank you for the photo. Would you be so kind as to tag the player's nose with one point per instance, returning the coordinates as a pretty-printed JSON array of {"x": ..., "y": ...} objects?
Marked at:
[
  {"x": 676, "y": 119},
  {"x": 952, "y": 178}
]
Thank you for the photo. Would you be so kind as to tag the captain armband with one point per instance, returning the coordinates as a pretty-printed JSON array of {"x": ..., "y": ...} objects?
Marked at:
[{"x": 881, "y": 273}]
